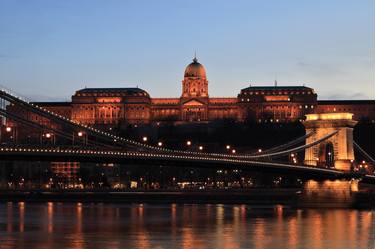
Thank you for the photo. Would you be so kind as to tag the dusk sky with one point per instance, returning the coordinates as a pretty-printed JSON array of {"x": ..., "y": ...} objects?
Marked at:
[{"x": 49, "y": 49}]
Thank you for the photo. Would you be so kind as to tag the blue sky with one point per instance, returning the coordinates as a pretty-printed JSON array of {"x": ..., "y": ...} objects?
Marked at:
[{"x": 49, "y": 49}]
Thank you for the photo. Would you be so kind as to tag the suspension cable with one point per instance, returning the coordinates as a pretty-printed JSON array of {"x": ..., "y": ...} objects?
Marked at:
[
  {"x": 293, "y": 150},
  {"x": 44, "y": 127},
  {"x": 363, "y": 152},
  {"x": 287, "y": 145}
]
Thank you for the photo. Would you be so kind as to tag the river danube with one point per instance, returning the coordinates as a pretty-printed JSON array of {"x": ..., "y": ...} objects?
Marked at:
[{"x": 63, "y": 225}]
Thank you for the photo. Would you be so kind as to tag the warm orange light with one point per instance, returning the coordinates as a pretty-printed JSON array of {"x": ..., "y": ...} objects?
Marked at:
[
  {"x": 201, "y": 147},
  {"x": 160, "y": 144},
  {"x": 329, "y": 116},
  {"x": 188, "y": 143},
  {"x": 80, "y": 133},
  {"x": 144, "y": 139},
  {"x": 259, "y": 150},
  {"x": 8, "y": 129},
  {"x": 228, "y": 147},
  {"x": 48, "y": 135},
  {"x": 276, "y": 98},
  {"x": 233, "y": 151},
  {"x": 109, "y": 100}
]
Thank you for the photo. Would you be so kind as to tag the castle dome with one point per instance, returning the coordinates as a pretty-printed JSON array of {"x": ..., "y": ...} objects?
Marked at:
[{"x": 195, "y": 69}]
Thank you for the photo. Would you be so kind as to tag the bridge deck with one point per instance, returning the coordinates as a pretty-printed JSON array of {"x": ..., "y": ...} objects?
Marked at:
[{"x": 155, "y": 158}]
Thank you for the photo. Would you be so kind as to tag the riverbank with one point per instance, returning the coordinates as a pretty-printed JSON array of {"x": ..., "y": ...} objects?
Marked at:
[{"x": 256, "y": 197}]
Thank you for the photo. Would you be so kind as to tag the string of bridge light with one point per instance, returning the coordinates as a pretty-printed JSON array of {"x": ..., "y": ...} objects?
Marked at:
[
  {"x": 92, "y": 152},
  {"x": 48, "y": 134},
  {"x": 118, "y": 138}
]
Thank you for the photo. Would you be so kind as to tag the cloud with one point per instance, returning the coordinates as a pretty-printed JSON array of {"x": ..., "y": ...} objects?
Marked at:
[
  {"x": 343, "y": 96},
  {"x": 319, "y": 68}
]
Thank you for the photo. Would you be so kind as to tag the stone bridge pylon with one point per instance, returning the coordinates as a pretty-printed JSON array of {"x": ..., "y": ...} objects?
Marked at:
[{"x": 337, "y": 151}]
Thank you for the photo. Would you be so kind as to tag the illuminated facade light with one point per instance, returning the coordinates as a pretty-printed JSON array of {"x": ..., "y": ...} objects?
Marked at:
[
  {"x": 80, "y": 133},
  {"x": 329, "y": 116},
  {"x": 144, "y": 139},
  {"x": 48, "y": 135},
  {"x": 233, "y": 151},
  {"x": 228, "y": 147},
  {"x": 259, "y": 150},
  {"x": 188, "y": 143},
  {"x": 8, "y": 129},
  {"x": 200, "y": 147},
  {"x": 160, "y": 144}
]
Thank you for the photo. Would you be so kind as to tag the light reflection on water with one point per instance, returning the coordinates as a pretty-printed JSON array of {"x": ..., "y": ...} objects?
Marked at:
[{"x": 57, "y": 225}]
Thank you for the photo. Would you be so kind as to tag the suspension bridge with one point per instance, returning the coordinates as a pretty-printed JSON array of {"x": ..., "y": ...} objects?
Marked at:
[{"x": 328, "y": 145}]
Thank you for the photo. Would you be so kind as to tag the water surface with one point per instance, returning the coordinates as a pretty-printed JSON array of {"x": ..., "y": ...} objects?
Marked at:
[{"x": 62, "y": 225}]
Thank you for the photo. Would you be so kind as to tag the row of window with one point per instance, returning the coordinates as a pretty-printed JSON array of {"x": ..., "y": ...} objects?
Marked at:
[
  {"x": 109, "y": 94},
  {"x": 278, "y": 93}
]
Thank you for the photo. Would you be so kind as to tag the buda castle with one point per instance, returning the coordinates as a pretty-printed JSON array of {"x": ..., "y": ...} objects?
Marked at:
[{"x": 262, "y": 104}]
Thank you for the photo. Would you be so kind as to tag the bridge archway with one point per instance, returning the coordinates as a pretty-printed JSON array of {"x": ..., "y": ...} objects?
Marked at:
[
  {"x": 337, "y": 151},
  {"x": 326, "y": 155}
]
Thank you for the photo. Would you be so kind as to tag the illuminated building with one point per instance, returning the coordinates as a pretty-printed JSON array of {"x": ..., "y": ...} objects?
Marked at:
[
  {"x": 65, "y": 170},
  {"x": 276, "y": 103}
]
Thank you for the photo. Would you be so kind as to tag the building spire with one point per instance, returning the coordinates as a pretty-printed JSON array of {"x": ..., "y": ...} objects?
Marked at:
[
  {"x": 275, "y": 80},
  {"x": 195, "y": 57}
]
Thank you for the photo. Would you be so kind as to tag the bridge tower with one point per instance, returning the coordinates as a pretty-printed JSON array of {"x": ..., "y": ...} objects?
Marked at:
[{"x": 337, "y": 151}]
